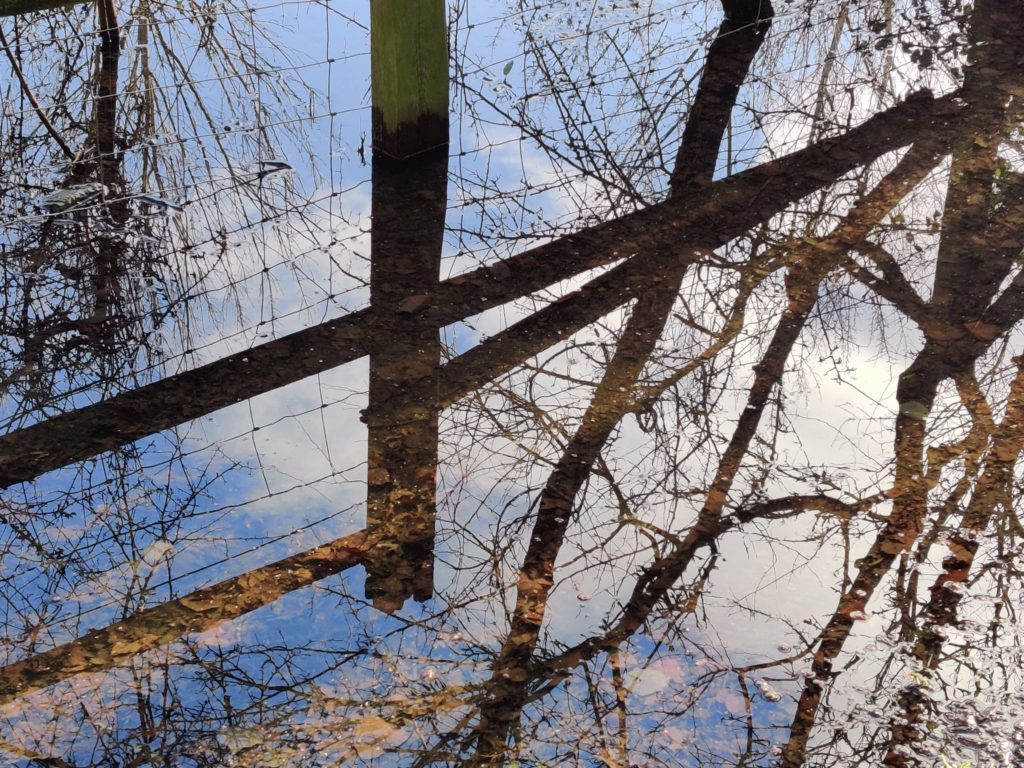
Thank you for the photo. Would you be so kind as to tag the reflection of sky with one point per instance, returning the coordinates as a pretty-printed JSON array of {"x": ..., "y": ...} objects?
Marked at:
[
  {"x": 293, "y": 460},
  {"x": 299, "y": 449}
]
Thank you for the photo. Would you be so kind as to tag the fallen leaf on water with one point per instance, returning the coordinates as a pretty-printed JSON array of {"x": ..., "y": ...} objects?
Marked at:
[
  {"x": 767, "y": 691},
  {"x": 198, "y": 603},
  {"x": 374, "y": 726},
  {"x": 235, "y": 738}
]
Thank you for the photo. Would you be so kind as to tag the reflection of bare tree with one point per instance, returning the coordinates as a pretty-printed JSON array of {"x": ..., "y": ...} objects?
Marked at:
[
  {"x": 976, "y": 254},
  {"x": 90, "y": 249},
  {"x": 726, "y": 68},
  {"x": 734, "y": 286},
  {"x": 86, "y": 240},
  {"x": 92, "y": 280},
  {"x": 613, "y": 400},
  {"x": 991, "y": 451}
]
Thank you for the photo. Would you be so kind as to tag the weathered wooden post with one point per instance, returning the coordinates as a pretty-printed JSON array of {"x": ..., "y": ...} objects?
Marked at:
[
  {"x": 409, "y": 76},
  {"x": 409, "y": 71}
]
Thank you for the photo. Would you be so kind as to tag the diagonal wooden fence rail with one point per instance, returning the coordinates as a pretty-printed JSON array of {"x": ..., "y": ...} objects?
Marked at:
[{"x": 710, "y": 215}]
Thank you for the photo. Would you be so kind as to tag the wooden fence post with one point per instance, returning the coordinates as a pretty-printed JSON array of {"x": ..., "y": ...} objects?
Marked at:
[{"x": 409, "y": 76}]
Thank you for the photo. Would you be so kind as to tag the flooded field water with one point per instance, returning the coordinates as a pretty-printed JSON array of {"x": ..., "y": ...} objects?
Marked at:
[{"x": 664, "y": 407}]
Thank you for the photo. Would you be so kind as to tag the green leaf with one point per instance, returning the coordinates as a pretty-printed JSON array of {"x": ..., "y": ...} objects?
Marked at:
[{"x": 508, "y": 68}]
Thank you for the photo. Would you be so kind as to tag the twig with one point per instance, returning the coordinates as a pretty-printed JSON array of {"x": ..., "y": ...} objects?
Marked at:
[{"x": 32, "y": 100}]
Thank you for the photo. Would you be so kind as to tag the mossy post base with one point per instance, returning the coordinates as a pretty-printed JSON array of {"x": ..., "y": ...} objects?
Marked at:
[{"x": 409, "y": 76}]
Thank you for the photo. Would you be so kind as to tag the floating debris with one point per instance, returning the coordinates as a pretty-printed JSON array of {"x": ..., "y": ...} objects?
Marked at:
[
  {"x": 237, "y": 739},
  {"x": 66, "y": 198},
  {"x": 268, "y": 167},
  {"x": 160, "y": 203},
  {"x": 913, "y": 409},
  {"x": 767, "y": 691}
]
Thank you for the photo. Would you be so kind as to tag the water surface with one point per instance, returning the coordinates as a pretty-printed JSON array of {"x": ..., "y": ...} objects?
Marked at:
[{"x": 670, "y": 415}]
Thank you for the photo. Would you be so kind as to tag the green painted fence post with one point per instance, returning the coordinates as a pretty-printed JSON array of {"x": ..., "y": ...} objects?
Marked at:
[{"x": 409, "y": 76}]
